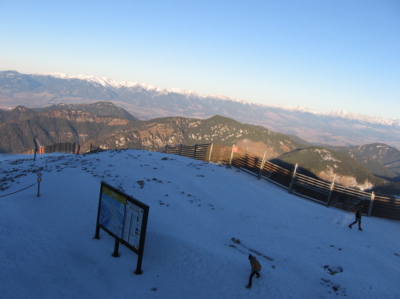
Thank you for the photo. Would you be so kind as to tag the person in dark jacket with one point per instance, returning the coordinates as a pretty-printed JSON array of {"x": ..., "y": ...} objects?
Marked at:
[
  {"x": 358, "y": 217},
  {"x": 255, "y": 269}
]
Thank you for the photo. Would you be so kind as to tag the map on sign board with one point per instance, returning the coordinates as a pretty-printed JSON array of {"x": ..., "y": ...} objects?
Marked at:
[
  {"x": 112, "y": 211},
  {"x": 133, "y": 224}
]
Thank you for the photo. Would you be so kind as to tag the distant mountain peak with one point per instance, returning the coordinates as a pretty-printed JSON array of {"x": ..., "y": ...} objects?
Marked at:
[
  {"x": 360, "y": 117},
  {"x": 343, "y": 114},
  {"x": 103, "y": 81},
  {"x": 107, "y": 82}
]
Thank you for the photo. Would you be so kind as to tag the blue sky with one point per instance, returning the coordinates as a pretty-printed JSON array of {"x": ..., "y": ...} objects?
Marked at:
[{"x": 322, "y": 55}]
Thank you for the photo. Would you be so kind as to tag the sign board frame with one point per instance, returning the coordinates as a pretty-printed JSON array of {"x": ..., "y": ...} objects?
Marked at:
[{"x": 124, "y": 218}]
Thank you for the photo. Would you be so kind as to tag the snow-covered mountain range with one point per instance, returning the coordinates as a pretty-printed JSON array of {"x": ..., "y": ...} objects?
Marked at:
[
  {"x": 111, "y": 83},
  {"x": 147, "y": 102}
]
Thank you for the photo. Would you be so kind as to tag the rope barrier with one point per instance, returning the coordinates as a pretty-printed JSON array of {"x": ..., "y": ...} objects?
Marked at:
[{"x": 18, "y": 190}]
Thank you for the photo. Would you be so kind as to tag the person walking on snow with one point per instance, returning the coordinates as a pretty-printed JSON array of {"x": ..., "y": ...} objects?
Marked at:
[
  {"x": 358, "y": 217},
  {"x": 255, "y": 268}
]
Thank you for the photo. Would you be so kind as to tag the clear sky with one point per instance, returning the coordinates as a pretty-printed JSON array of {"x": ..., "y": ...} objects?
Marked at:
[{"x": 320, "y": 54}]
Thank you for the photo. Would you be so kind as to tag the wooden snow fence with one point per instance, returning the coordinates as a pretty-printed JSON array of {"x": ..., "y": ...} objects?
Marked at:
[
  {"x": 327, "y": 193},
  {"x": 65, "y": 147}
]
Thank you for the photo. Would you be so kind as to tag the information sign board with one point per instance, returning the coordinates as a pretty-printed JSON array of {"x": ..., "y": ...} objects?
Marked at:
[{"x": 124, "y": 218}]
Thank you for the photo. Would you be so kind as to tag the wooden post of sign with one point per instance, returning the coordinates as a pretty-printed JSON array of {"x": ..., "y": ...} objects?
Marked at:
[
  {"x": 116, "y": 248},
  {"x": 141, "y": 244},
  {"x": 139, "y": 264}
]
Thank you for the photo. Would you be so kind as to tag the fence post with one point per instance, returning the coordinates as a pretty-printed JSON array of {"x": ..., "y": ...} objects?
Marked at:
[
  {"x": 209, "y": 156},
  {"x": 371, "y": 203},
  {"x": 180, "y": 149},
  {"x": 195, "y": 151},
  {"x": 230, "y": 161},
  {"x": 262, "y": 165},
  {"x": 330, "y": 193},
  {"x": 293, "y": 176}
]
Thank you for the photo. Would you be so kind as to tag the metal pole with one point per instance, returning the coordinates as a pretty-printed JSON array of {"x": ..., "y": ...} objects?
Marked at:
[
  {"x": 39, "y": 179},
  {"x": 34, "y": 141}
]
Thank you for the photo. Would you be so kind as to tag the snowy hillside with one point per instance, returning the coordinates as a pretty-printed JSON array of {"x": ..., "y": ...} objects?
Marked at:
[{"x": 196, "y": 209}]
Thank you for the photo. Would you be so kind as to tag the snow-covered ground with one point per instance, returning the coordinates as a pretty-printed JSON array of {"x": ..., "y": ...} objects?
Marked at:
[{"x": 48, "y": 250}]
